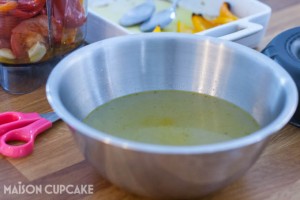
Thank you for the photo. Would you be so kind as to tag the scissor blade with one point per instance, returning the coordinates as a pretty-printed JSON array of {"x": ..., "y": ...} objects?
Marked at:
[{"x": 51, "y": 116}]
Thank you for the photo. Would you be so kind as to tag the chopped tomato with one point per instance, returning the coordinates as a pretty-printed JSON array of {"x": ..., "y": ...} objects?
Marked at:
[
  {"x": 23, "y": 14},
  {"x": 28, "y": 8},
  {"x": 31, "y": 5},
  {"x": 70, "y": 13},
  {"x": 4, "y": 43},
  {"x": 30, "y": 31},
  {"x": 7, "y": 23}
]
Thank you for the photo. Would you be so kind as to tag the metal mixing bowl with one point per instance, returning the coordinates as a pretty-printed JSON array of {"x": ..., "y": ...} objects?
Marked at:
[{"x": 119, "y": 66}]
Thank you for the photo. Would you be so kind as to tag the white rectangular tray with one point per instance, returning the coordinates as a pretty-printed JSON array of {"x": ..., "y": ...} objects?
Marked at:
[{"x": 248, "y": 30}]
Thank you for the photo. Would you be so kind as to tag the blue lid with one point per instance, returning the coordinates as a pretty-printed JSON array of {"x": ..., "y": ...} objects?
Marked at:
[{"x": 285, "y": 49}]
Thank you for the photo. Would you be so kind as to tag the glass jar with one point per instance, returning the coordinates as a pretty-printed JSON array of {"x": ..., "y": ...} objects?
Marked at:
[{"x": 34, "y": 31}]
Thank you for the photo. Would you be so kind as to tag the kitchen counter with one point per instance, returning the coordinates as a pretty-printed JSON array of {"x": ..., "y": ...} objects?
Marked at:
[{"x": 57, "y": 162}]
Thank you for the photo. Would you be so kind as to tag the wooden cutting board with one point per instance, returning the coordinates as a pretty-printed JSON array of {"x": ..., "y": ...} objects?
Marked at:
[{"x": 57, "y": 160}]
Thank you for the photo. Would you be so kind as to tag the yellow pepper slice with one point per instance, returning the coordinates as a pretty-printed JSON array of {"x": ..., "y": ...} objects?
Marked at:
[
  {"x": 200, "y": 23},
  {"x": 183, "y": 28},
  {"x": 157, "y": 29},
  {"x": 198, "y": 26},
  {"x": 225, "y": 11},
  {"x": 225, "y": 16}
]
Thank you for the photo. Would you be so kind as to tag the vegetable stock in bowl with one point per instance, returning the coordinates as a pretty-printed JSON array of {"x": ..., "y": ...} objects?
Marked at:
[{"x": 172, "y": 117}]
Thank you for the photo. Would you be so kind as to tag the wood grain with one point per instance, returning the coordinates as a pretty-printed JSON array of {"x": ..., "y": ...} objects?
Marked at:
[{"x": 57, "y": 160}]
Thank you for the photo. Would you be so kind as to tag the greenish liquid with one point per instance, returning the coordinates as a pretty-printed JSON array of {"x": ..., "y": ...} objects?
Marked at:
[{"x": 171, "y": 117}]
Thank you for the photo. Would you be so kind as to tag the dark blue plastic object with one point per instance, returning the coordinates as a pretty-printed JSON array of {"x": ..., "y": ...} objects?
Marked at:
[{"x": 285, "y": 49}]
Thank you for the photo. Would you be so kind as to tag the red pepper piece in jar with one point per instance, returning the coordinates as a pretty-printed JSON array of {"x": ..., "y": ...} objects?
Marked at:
[
  {"x": 30, "y": 31},
  {"x": 70, "y": 13}
]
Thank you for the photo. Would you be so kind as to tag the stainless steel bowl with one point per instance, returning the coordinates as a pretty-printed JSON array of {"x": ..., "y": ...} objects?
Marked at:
[{"x": 119, "y": 66}]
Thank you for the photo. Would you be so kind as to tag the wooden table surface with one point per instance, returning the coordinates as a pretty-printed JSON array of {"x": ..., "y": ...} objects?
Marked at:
[{"x": 57, "y": 161}]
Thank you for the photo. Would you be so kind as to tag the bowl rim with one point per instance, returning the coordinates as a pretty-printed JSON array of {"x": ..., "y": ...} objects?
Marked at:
[{"x": 52, "y": 93}]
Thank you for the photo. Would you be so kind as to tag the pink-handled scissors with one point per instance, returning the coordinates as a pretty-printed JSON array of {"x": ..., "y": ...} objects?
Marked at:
[{"x": 23, "y": 127}]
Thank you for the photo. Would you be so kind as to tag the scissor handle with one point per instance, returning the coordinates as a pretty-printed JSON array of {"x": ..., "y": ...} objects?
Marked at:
[
  {"x": 14, "y": 120},
  {"x": 25, "y": 134}
]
